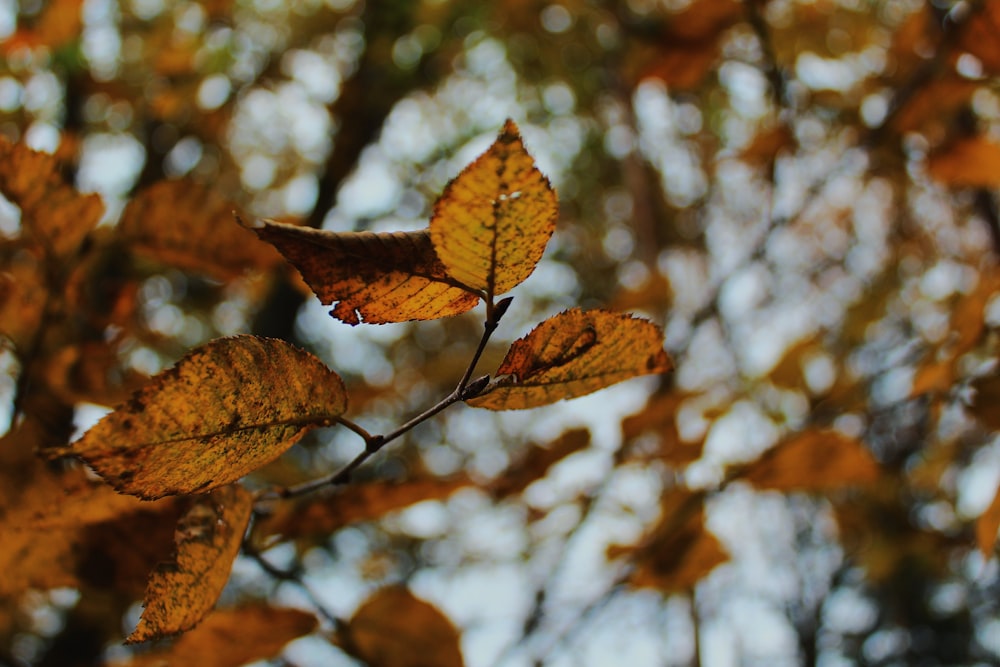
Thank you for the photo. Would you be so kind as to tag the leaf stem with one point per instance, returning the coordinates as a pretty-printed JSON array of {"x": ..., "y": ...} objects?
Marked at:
[{"x": 467, "y": 388}]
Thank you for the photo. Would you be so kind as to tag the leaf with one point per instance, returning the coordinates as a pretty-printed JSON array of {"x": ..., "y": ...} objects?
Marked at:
[
  {"x": 189, "y": 226},
  {"x": 375, "y": 278},
  {"x": 58, "y": 24},
  {"x": 986, "y": 401},
  {"x": 52, "y": 212},
  {"x": 987, "y": 526},
  {"x": 492, "y": 222},
  {"x": 814, "y": 460},
  {"x": 537, "y": 461},
  {"x": 22, "y": 298},
  {"x": 66, "y": 530},
  {"x": 979, "y": 36},
  {"x": 395, "y": 629},
  {"x": 973, "y": 162},
  {"x": 572, "y": 354},
  {"x": 226, "y": 409},
  {"x": 324, "y": 514},
  {"x": 232, "y": 637},
  {"x": 659, "y": 418},
  {"x": 180, "y": 592},
  {"x": 679, "y": 550}
]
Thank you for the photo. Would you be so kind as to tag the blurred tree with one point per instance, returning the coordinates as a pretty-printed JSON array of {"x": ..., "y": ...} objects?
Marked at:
[{"x": 802, "y": 193}]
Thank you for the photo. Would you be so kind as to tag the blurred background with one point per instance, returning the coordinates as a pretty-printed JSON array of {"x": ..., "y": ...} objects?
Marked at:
[{"x": 801, "y": 193}]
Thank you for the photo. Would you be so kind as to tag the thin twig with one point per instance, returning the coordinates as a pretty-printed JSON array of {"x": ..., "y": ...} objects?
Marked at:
[
  {"x": 464, "y": 390},
  {"x": 292, "y": 576}
]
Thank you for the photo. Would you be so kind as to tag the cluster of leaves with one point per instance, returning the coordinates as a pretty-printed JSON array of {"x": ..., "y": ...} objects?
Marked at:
[
  {"x": 678, "y": 130},
  {"x": 234, "y": 404}
]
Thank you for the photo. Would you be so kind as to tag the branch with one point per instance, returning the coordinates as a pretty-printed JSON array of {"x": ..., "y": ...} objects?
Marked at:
[
  {"x": 292, "y": 576},
  {"x": 464, "y": 390}
]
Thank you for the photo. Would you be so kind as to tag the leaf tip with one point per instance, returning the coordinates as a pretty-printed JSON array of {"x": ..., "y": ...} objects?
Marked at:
[
  {"x": 510, "y": 132},
  {"x": 255, "y": 223}
]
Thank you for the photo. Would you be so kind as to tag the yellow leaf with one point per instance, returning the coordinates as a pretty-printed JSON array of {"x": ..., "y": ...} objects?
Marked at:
[
  {"x": 678, "y": 551},
  {"x": 572, "y": 354},
  {"x": 537, "y": 461},
  {"x": 232, "y": 637},
  {"x": 53, "y": 214},
  {"x": 226, "y": 409},
  {"x": 189, "y": 226},
  {"x": 814, "y": 460},
  {"x": 321, "y": 515},
  {"x": 971, "y": 162},
  {"x": 374, "y": 278},
  {"x": 395, "y": 629},
  {"x": 180, "y": 592},
  {"x": 493, "y": 221}
]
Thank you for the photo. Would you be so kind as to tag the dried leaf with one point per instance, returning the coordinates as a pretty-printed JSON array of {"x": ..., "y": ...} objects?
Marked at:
[
  {"x": 66, "y": 530},
  {"x": 767, "y": 144},
  {"x": 979, "y": 36},
  {"x": 659, "y": 418},
  {"x": 679, "y": 551},
  {"x": 375, "y": 278},
  {"x": 227, "y": 408},
  {"x": 232, "y": 637},
  {"x": 986, "y": 401},
  {"x": 934, "y": 105},
  {"x": 22, "y": 298},
  {"x": 322, "y": 515},
  {"x": 189, "y": 226},
  {"x": 180, "y": 592},
  {"x": 971, "y": 162},
  {"x": 52, "y": 212},
  {"x": 58, "y": 24},
  {"x": 987, "y": 526},
  {"x": 493, "y": 221},
  {"x": 395, "y": 629},
  {"x": 572, "y": 354},
  {"x": 814, "y": 460},
  {"x": 537, "y": 461}
]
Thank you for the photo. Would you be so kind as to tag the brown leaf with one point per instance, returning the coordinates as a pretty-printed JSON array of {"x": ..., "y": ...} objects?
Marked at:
[
  {"x": 987, "y": 400},
  {"x": 932, "y": 107},
  {"x": 63, "y": 529},
  {"x": 189, "y": 226},
  {"x": 374, "y": 278},
  {"x": 979, "y": 36},
  {"x": 226, "y": 409},
  {"x": 973, "y": 162},
  {"x": 58, "y": 24},
  {"x": 987, "y": 526},
  {"x": 395, "y": 629},
  {"x": 659, "y": 418},
  {"x": 53, "y": 214},
  {"x": 537, "y": 461},
  {"x": 180, "y": 592},
  {"x": 324, "y": 514},
  {"x": 572, "y": 354},
  {"x": 22, "y": 297},
  {"x": 232, "y": 637},
  {"x": 493, "y": 221},
  {"x": 767, "y": 144},
  {"x": 814, "y": 460},
  {"x": 679, "y": 551}
]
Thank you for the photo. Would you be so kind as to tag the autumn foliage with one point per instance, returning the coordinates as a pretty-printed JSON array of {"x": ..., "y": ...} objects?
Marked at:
[{"x": 294, "y": 298}]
